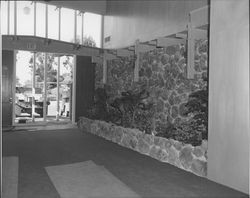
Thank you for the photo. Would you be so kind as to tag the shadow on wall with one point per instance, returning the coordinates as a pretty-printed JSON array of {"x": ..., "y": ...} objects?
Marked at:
[{"x": 164, "y": 102}]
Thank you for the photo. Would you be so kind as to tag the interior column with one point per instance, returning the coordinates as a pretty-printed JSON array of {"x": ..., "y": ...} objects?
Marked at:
[{"x": 228, "y": 135}]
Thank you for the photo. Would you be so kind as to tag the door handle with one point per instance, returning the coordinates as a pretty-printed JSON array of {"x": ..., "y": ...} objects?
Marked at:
[{"x": 10, "y": 100}]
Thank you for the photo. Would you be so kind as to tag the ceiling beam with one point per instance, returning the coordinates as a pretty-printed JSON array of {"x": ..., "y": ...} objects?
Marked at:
[
  {"x": 97, "y": 59},
  {"x": 165, "y": 42},
  {"x": 153, "y": 42},
  {"x": 199, "y": 33},
  {"x": 181, "y": 35},
  {"x": 109, "y": 56},
  {"x": 38, "y": 44},
  {"x": 124, "y": 53},
  {"x": 145, "y": 47},
  {"x": 131, "y": 48}
]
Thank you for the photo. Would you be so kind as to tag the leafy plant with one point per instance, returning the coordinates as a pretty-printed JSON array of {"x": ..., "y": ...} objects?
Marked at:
[
  {"x": 197, "y": 106},
  {"x": 133, "y": 109},
  {"x": 130, "y": 110},
  {"x": 129, "y": 105},
  {"x": 187, "y": 133},
  {"x": 166, "y": 130},
  {"x": 195, "y": 129},
  {"x": 143, "y": 119},
  {"x": 99, "y": 108}
]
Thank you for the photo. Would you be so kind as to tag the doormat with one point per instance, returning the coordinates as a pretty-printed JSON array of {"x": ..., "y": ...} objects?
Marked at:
[
  {"x": 10, "y": 177},
  {"x": 87, "y": 180}
]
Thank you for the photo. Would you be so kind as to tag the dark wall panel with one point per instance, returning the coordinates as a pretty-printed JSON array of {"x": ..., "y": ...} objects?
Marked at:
[
  {"x": 85, "y": 85},
  {"x": 7, "y": 81}
]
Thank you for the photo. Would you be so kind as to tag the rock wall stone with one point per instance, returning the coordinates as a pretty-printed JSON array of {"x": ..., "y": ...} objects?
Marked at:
[
  {"x": 184, "y": 156},
  {"x": 163, "y": 72}
]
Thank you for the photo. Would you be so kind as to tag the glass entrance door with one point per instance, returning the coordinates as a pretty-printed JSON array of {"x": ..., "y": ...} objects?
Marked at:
[
  {"x": 59, "y": 89},
  {"x": 27, "y": 91},
  {"x": 44, "y": 85}
]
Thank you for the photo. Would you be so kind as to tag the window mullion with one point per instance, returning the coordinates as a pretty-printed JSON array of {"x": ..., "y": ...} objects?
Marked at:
[{"x": 34, "y": 18}]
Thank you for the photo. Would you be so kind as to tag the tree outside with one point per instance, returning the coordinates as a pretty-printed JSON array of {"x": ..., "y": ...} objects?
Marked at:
[{"x": 87, "y": 41}]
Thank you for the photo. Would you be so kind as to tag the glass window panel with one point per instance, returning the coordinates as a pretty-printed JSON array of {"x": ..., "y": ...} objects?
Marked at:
[
  {"x": 67, "y": 27},
  {"x": 79, "y": 28},
  {"x": 23, "y": 95},
  {"x": 53, "y": 22},
  {"x": 52, "y": 69},
  {"x": 40, "y": 63},
  {"x": 66, "y": 69},
  {"x": 92, "y": 27},
  {"x": 24, "y": 66},
  {"x": 4, "y": 8},
  {"x": 12, "y": 17},
  {"x": 39, "y": 84},
  {"x": 40, "y": 19},
  {"x": 66, "y": 80},
  {"x": 25, "y": 18}
]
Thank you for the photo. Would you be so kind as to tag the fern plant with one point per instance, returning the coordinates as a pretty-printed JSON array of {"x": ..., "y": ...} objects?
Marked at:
[
  {"x": 195, "y": 129},
  {"x": 197, "y": 107},
  {"x": 130, "y": 104}
]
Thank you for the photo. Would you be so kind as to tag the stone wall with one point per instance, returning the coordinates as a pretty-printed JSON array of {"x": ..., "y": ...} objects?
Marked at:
[
  {"x": 163, "y": 72},
  {"x": 184, "y": 156}
]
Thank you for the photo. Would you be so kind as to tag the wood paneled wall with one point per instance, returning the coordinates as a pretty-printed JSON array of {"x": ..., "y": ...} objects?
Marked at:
[{"x": 127, "y": 21}]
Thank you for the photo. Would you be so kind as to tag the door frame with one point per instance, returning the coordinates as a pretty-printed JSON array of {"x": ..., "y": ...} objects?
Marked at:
[
  {"x": 14, "y": 92},
  {"x": 11, "y": 90},
  {"x": 74, "y": 92},
  {"x": 14, "y": 89}
]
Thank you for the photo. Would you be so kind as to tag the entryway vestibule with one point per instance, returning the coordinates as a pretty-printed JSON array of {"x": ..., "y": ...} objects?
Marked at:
[
  {"x": 43, "y": 87},
  {"x": 29, "y": 99}
]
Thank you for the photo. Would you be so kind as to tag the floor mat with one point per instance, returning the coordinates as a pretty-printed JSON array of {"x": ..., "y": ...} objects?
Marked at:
[
  {"x": 10, "y": 177},
  {"x": 31, "y": 128},
  {"x": 87, "y": 180}
]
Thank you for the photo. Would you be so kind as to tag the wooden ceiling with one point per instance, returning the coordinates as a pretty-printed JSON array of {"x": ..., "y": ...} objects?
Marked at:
[{"x": 96, "y": 6}]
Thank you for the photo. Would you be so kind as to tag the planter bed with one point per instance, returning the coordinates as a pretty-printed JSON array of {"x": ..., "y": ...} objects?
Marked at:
[{"x": 184, "y": 156}]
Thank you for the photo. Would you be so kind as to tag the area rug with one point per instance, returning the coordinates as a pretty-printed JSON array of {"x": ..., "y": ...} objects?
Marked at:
[
  {"x": 9, "y": 177},
  {"x": 87, "y": 180}
]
